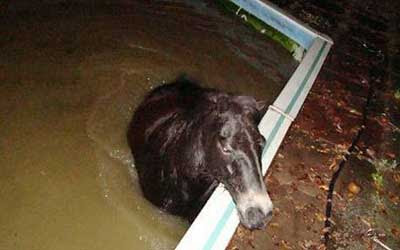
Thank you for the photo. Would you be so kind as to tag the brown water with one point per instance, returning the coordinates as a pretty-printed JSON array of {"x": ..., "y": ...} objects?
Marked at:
[{"x": 70, "y": 78}]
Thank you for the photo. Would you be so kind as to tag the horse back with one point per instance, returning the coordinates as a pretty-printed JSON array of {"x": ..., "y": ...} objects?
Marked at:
[{"x": 159, "y": 110}]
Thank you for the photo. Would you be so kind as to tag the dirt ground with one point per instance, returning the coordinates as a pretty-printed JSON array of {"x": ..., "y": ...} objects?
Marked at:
[{"x": 335, "y": 182}]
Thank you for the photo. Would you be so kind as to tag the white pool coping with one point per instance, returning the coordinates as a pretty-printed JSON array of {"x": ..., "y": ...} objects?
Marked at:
[{"x": 217, "y": 222}]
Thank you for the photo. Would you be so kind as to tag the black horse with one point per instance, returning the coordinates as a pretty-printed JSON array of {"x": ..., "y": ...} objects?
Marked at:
[{"x": 185, "y": 139}]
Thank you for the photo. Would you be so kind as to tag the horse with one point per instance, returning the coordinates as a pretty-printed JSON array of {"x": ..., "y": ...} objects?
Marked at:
[{"x": 186, "y": 139}]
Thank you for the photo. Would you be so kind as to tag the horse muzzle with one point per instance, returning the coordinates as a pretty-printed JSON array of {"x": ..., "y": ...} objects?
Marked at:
[{"x": 255, "y": 210}]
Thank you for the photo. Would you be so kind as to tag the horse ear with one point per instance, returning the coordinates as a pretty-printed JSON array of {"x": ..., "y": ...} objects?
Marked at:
[
  {"x": 258, "y": 108},
  {"x": 251, "y": 102},
  {"x": 261, "y": 110},
  {"x": 212, "y": 97},
  {"x": 261, "y": 107},
  {"x": 219, "y": 100},
  {"x": 246, "y": 101}
]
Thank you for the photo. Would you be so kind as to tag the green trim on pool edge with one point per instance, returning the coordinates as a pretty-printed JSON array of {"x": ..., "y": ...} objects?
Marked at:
[
  {"x": 293, "y": 100},
  {"x": 228, "y": 211},
  {"x": 221, "y": 223},
  {"x": 305, "y": 80}
]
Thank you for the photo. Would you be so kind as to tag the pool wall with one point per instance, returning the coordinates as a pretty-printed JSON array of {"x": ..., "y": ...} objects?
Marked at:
[{"x": 216, "y": 223}]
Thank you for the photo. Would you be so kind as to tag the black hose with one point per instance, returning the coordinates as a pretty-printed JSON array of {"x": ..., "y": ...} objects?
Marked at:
[{"x": 328, "y": 211}]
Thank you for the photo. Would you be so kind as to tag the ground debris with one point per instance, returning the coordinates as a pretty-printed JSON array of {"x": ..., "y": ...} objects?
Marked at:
[
  {"x": 311, "y": 245},
  {"x": 367, "y": 191}
]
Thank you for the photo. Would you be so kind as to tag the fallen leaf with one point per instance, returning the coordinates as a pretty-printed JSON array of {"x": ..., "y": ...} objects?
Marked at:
[
  {"x": 320, "y": 216},
  {"x": 323, "y": 187},
  {"x": 353, "y": 188},
  {"x": 396, "y": 232},
  {"x": 273, "y": 224}
]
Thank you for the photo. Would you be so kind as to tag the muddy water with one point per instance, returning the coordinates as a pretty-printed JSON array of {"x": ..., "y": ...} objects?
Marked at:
[{"x": 70, "y": 78}]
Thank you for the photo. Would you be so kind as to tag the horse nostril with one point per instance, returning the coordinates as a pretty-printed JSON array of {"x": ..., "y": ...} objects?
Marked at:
[
  {"x": 268, "y": 217},
  {"x": 254, "y": 214},
  {"x": 255, "y": 218}
]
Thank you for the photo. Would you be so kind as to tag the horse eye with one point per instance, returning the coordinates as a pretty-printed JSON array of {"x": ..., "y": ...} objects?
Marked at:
[
  {"x": 224, "y": 134},
  {"x": 226, "y": 150}
]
